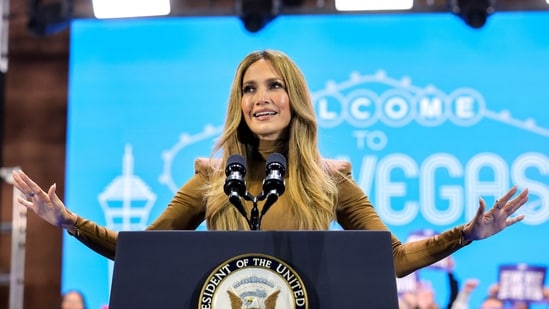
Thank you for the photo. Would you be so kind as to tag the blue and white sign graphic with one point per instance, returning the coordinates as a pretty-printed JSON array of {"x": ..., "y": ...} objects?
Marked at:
[{"x": 433, "y": 115}]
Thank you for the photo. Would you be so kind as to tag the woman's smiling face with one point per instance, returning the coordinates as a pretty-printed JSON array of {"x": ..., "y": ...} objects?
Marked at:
[{"x": 265, "y": 103}]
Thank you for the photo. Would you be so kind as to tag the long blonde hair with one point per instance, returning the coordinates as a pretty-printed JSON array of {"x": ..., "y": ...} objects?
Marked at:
[{"x": 309, "y": 187}]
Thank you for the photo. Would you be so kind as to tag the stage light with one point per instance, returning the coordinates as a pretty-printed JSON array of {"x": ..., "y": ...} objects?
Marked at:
[
  {"x": 473, "y": 12},
  {"x": 256, "y": 14},
  {"x": 130, "y": 8},
  {"x": 295, "y": 3},
  {"x": 373, "y": 5},
  {"x": 48, "y": 18}
]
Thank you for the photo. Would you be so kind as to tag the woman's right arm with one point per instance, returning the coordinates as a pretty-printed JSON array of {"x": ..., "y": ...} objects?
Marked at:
[
  {"x": 185, "y": 212},
  {"x": 49, "y": 207}
]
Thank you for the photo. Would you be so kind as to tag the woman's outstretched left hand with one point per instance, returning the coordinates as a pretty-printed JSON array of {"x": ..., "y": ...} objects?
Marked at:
[{"x": 487, "y": 223}]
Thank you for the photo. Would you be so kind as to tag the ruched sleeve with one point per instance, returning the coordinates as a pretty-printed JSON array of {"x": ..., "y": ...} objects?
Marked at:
[
  {"x": 355, "y": 212},
  {"x": 186, "y": 211}
]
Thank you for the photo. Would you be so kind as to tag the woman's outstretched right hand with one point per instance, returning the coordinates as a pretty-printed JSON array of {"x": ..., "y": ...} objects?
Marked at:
[{"x": 46, "y": 205}]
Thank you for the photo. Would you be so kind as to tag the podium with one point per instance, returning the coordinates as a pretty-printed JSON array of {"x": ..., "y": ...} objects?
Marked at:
[{"x": 193, "y": 269}]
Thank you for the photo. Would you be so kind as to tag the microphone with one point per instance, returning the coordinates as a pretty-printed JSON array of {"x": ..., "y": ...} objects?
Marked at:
[
  {"x": 273, "y": 185},
  {"x": 235, "y": 186}
]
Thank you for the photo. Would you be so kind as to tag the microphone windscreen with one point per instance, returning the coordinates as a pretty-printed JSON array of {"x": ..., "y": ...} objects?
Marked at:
[
  {"x": 236, "y": 159},
  {"x": 276, "y": 158}
]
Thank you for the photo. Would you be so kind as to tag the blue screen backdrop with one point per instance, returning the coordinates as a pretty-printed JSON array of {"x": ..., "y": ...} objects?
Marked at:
[{"x": 432, "y": 114}]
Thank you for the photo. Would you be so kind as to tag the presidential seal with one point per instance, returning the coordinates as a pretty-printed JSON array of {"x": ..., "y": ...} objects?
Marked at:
[{"x": 253, "y": 281}]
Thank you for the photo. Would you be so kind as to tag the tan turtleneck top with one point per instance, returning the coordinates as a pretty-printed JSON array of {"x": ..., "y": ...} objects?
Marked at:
[{"x": 354, "y": 211}]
